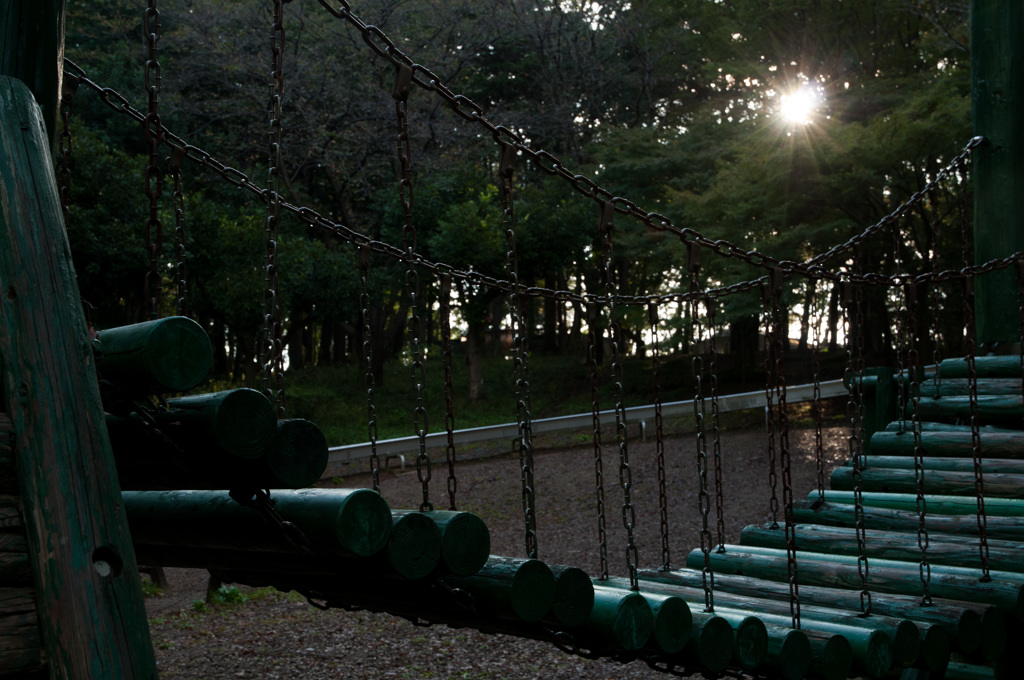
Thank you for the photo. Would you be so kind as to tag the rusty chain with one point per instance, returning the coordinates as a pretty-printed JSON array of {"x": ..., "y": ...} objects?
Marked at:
[
  {"x": 716, "y": 443},
  {"x": 914, "y": 392},
  {"x": 593, "y": 321},
  {"x": 369, "y": 382},
  {"x": 816, "y": 408},
  {"x": 697, "y": 367},
  {"x": 180, "y": 266},
  {"x": 768, "y": 299},
  {"x": 153, "y": 132},
  {"x": 520, "y": 350},
  {"x": 449, "y": 388},
  {"x": 659, "y": 438},
  {"x": 272, "y": 354}
]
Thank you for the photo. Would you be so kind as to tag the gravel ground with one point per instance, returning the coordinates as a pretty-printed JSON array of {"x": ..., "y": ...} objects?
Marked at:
[{"x": 274, "y": 635}]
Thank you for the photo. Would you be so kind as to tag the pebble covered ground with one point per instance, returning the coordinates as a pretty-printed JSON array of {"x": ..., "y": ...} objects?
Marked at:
[{"x": 273, "y": 635}]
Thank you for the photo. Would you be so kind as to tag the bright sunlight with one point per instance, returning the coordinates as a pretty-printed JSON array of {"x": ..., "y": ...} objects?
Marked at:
[{"x": 799, "y": 105}]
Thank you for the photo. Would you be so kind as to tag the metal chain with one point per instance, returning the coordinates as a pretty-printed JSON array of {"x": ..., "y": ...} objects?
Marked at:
[
  {"x": 449, "y": 388},
  {"x": 595, "y": 410},
  {"x": 854, "y": 332},
  {"x": 769, "y": 413},
  {"x": 69, "y": 87},
  {"x": 972, "y": 385},
  {"x": 237, "y": 178},
  {"x": 816, "y": 406},
  {"x": 716, "y": 444},
  {"x": 1020, "y": 319},
  {"x": 472, "y": 112},
  {"x": 703, "y": 498},
  {"x": 520, "y": 350},
  {"x": 621, "y": 435},
  {"x": 913, "y": 368},
  {"x": 369, "y": 382},
  {"x": 659, "y": 438},
  {"x": 272, "y": 356},
  {"x": 412, "y": 284},
  {"x": 153, "y": 131},
  {"x": 180, "y": 267}
]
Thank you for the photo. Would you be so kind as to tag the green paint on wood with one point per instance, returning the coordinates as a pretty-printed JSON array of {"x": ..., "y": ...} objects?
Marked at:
[
  {"x": 241, "y": 422},
  {"x": 90, "y": 602},
  {"x": 465, "y": 541},
  {"x": 997, "y": 84},
  {"x": 155, "y": 357},
  {"x": 620, "y": 620}
]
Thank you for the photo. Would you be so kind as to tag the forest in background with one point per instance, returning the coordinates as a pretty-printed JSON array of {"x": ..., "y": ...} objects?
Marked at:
[{"x": 674, "y": 104}]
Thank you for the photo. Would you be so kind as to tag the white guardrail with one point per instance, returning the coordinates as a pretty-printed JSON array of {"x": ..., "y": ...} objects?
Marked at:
[{"x": 397, "y": 448}]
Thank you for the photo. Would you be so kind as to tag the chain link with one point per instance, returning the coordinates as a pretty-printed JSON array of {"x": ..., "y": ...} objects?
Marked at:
[
  {"x": 369, "y": 382},
  {"x": 520, "y": 349},
  {"x": 593, "y": 322},
  {"x": 449, "y": 388},
  {"x": 716, "y": 444},
  {"x": 816, "y": 406},
  {"x": 768, "y": 297},
  {"x": 659, "y": 438},
  {"x": 153, "y": 131},
  {"x": 703, "y": 498},
  {"x": 180, "y": 250},
  {"x": 921, "y": 504},
  {"x": 621, "y": 435},
  {"x": 272, "y": 356}
]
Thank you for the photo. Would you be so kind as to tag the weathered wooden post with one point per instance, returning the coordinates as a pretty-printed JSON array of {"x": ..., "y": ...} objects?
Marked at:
[
  {"x": 80, "y": 560},
  {"x": 997, "y": 49}
]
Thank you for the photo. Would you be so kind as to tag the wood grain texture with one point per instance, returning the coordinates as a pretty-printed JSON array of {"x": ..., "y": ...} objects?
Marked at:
[{"x": 90, "y": 602}]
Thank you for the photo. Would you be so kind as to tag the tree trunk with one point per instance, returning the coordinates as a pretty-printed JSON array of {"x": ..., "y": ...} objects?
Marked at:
[{"x": 474, "y": 359}]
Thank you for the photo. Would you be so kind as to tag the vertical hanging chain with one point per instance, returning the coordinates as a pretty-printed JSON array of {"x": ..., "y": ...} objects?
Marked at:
[
  {"x": 69, "y": 87},
  {"x": 659, "y": 436},
  {"x": 716, "y": 444},
  {"x": 703, "y": 498},
  {"x": 449, "y": 389},
  {"x": 913, "y": 368},
  {"x": 520, "y": 351},
  {"x": 972, "y": 381},
  {"x": 614, "y": 334},
  {"x": 780, "y": 338},
  {"x": 854, "y": 331},
  {"x": 174, "y": 162},
  {"x": 1019, "y": 268},
  {"x": 769, "y": 410},
  {"x": 403, "y": 80},
  {"x": 595, "y": 411},
  {"x": 369, "y": 382},
  {"x": 154, "y": 175},
  {"x": 900, "y": 322},
  {"x": 272, "y": 356},
  {"x": 816, "y": 406}
]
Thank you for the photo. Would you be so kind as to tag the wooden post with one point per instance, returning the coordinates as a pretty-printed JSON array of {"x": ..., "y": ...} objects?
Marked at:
[
  {"x": 32, "y": 50},
  {"x": 997, "y": 82},
  {"x": 90, "y": 601}
]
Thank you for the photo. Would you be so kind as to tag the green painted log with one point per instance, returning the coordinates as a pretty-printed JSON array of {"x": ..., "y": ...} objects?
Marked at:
[
  {"x": 1007, "y": 367},
  {"x": 904, "y": 633},
  {"x": 872, "y": 647},
  {"x": 951, "y": 387},
  {"x": 510, "y": 588},
  {"x": 887, "y": 519},
  {"x": 831, "y": 654},
  {"x": 883, "y": 576},
  {"x": 750, "y": 638},
  {"x": 966, "y": 622},
  {"x": 711, "y": 642},
  {"x": 949, "y": 444},
  {"x": 992, "y": 410},
  {"x": 936, "y": 482},
  {"x": 341, "y": 522},
  {"x": 465, "y": 541},
  {"x": 574, "y": 596},
  {"x": 672, "y": 618},
  {"x": 988, "y": 465},
  {"x": 938, "y": 505},
  {"x": 930, "y": 426},
  {"x": 621, "y": 620},
  {"x": 296, "y": 458},
  {"x": 411, "y": 553},
  {"x": 242, "y": 422},
  {"x": 155, "y": 357},
  {"x": 891, "y": 545},
  {"x": 92, "y": 614}
]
